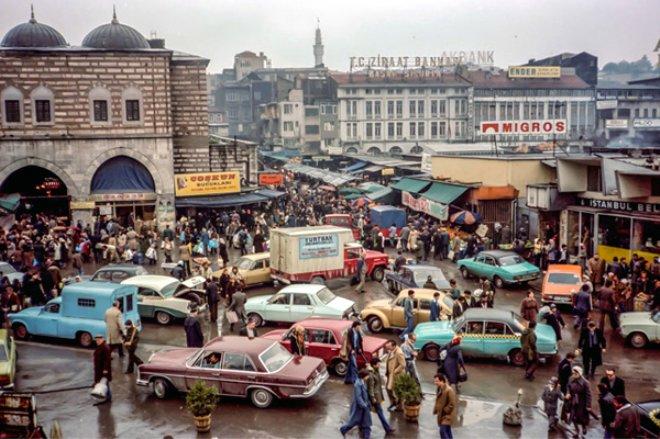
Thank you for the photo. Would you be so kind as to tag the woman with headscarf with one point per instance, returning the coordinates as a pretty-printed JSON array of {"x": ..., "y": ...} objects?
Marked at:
[
  {"x": 578, "y": 399},
  {"x": 297, "y": 340}
]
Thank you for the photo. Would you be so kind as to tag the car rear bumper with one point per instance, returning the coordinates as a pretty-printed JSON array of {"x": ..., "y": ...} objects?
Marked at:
[
  {"x": 564, "y": 299},
  {"x": 315, "y": 386}
]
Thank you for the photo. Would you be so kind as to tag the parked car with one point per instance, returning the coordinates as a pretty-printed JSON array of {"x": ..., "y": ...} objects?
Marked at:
[
  {"x": 255, "y": 269},
  {"x": 388, "y": 313},
  {"x": 324, "y": 339},
  {"x": 414, "y": 276},
  {"x": 12, "y": 274},
  {"x": 78, "y": 313},
  {"x": 501, "y": 267},
  {"x": 640, "y": 328},
  {"x": 260, "y": 369},
  {"x": 112, "y": 273},
  {"x": 560, "y": 283},
  {"x": 166, "y": 298},
  {"x": 7, "y": 360},
  {"x": 485, "y": 332},
  {"x": 648, "y": 417},
  {"x": 297, "y": 302}
]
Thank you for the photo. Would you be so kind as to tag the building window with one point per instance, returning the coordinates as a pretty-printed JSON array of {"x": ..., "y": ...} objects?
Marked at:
[
  {"x": 420, "y": 108},
  {"x": 132, "y": 98},
  {"x": 100, "y": 111},
  {"x": 288, "y": 108},
  {"x": 636, "y": 112},
  {"x": 377, "y": 130},
  {"x": 434, "y": 130},
  {"x": 12, "y": 111},
  {"x": 399, "y": 109},
  {"x": 646, "y": 113},
  {"x": 390, "y": 130},
  {"x": 399, "y": 130},
  {"x": 42, "y": 110},
  {"x": 369, "y": 109},
  {"x": 594, "y": 183},
  {"x": 311, "y": 129},
  {"x": 42, "y": 99},
  {"x": 654, "y": 113},
  {"x": 420, "y": 129},
  {"x": 434, "y": 107},
  {"x": 441, "y": 129},
  {"x": 413, "y": 129},
  {"x": 328, "y": 126},
  {"x": 100, "y": 104},
  {"x": 377, "y": 111},
  {"x": 412, "y": 108},
  {"x": 390, "y": 108},
  {"x": 287, "y": 126},
  {"x": 369, "y": 130},
  {"x": 132, "y": 110},
  {"x": 12, "y": 106}
]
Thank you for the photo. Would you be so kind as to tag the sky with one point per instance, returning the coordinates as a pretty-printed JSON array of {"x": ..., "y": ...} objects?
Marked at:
[{"x": 516, "y": 30}]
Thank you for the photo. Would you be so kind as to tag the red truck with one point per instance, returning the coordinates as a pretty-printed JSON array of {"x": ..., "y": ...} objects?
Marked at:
[{"x": 320, "y": 253}]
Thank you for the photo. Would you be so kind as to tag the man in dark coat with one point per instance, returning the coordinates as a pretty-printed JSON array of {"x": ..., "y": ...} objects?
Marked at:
[
  {"x": 194, "y": 334},
  {"x": 103, "y": 364},
  {"x": 132, "y": 338},
  {"x": 360, "y": 414},
  {"x": 564, "y": 371},
  {"x": 529, "y": 350},
  {"x": 237, "y": 305},
  {"x": 554, "y": 319},
  {"x": 592, "y": 345},
  {"x": 626, "y": 422},
  {"x": 615, "y": 385},
  {"x": 582, "y": 306},
  {"x": 354, "y": 348},
  {"x": 212, "y": 298},
  {"x": 578, "y": 400}
]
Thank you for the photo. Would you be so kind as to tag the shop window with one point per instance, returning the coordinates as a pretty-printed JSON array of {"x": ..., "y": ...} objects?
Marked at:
[
  {"x": 614, "y": 231},
  {"x": 646, "y": 236},
  {"x": 594, "y": 182}
]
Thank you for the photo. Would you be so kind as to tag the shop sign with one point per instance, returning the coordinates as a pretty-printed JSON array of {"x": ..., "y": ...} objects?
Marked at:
[
  {"x": 646, "y": 123},
  {"x": 546, "y": 126},
  {"x": 444, "y": 59},
  {"x": 522, "y": 72},
  {"x": 323, "y": 246},
  {"x": 609, "y": 104},
  {"x": 129, "y": 196},
  {"x": 105, "y": 209},
  {"x": 335, "y": 150},
  {"x": 271, "y": 179},
  {"x": 206, "y": 183},
  {"x": 387, "y": 171},
  {"x": 621, "y": 206},
  {"x": 82, "y": 205},
  {"x": 621, "y": 124},
  {"x": 427, "y": 161},
  {"x": 425, "y": 205}
]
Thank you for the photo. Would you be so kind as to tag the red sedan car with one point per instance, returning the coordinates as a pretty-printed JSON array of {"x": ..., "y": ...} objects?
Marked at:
[
  {"x": 258, "y": 368},
  {"x": 324, "y": 338}
]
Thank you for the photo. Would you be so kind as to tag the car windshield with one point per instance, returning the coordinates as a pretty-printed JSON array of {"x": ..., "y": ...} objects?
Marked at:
[
  {"x": 6, "y": 268},
  {"x": 275, "y": 357},
  {"x": 505, "y": 261},
  {"x": 563, "y": 278},
  {"x": 421, "y": 275},
  {"x": 3, "y": 353},
  {"x": 325, "y": 296},
  {"x": 244, "y": 264},
  {"x": 519, "y": 324},
  {"x": 170, "y": 289}
]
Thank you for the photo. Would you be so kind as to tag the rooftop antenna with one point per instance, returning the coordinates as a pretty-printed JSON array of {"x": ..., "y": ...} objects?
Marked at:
[
  {"x": 32, "y": 19},
  {"x": 114, "y": 15}
]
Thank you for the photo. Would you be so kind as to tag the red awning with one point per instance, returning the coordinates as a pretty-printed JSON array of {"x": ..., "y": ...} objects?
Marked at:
[{"x": 485, "y": 193}]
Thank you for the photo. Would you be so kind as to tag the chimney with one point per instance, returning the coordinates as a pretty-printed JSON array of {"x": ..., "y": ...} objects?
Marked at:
[{"x": 157, "y": 43}]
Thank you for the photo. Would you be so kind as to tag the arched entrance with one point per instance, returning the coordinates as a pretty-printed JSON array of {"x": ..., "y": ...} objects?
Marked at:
[
  {"x": 41, "y": 190},
  {"x": 123, "y": 188},
  {"x": 373, "y": 151}
]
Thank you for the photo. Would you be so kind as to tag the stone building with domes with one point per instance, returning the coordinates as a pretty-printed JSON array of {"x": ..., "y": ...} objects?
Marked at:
[{"x": 99, "y": 128}]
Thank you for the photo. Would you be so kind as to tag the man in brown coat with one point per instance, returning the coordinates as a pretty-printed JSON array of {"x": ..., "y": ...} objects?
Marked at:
[
  {"x": 114, "y": 323},
  {"x": 596, "y": 269},
  {"x": 529, "y": 307},
  {"x": 445, "y": 406},
  {"x": 395, "y": 365}
]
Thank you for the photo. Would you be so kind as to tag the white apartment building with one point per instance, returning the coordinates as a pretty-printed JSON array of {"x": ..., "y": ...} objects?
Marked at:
[{"x": 402, "y": 114}]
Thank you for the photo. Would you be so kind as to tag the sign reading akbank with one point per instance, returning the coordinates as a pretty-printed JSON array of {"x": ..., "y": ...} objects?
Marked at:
[{"x": 206, "y": 183}]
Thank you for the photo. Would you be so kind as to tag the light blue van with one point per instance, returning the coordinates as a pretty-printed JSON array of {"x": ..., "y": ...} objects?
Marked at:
[{"x": 78, "y": 314}]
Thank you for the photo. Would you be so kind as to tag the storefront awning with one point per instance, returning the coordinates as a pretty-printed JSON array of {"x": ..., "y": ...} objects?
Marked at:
[
  {"x": 410, "y": 185},
  {"x": 218, "y": 201},
  {"x": 485, "y": 193},
  {"x": 444, "y": 193},
  {"x": 379, "y": 194},
  {"x": 269, "y": 193}
]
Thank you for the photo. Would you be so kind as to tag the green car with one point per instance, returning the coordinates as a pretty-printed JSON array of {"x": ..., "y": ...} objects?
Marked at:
[
  {"x": 485, "y": 332},
  {"x": 500, "y": 267},
  {"x": 7, "y": 360}
]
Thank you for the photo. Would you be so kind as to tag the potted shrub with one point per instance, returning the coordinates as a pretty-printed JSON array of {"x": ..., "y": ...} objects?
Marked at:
[
  {"x": 408, "y": 391},
  {"x": 200, "y": 402}
]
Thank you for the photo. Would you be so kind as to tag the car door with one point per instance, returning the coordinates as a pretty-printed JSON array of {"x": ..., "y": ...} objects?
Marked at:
[
  {"x": 472, "y": 337},
  {"x": 262, "y": 271},
  {"x": 424, "y": 310},
  {"x": 237, "y": 373},
  {"x": 406, "y": 280},
  {"x": 477, "y": 267},
  {"x": 397, "y": 318},
  {"x": 148, "y": 301},
  {"x": 49, "y": 318},
  {"x": 250, "y": 274},
  {"x": 321, "y": 344},
  {"x": 351, "y": 257},
  {"x": 490, "y": 267},
  {"x": 279, "y": 308},
  {"x": 302, "y": 307},
  {"x": 199, "y": 370},
  {"x": 496, "y": 341}
]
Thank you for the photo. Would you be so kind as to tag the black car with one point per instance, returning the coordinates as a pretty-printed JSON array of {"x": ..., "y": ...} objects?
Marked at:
[
  {"x": 649, "y": 426},
  {"x": 112, "y": 273}
]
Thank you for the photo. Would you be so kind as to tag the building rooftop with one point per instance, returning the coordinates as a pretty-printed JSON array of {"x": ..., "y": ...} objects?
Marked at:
[
  {"x": 429, "y": 77},
  {"x": 483, "y": 79},
  {"x": 33, "y": 34}
]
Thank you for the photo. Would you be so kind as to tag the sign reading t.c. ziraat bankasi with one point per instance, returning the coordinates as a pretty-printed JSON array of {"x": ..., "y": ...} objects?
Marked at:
[{"x": 444, "y": 59}]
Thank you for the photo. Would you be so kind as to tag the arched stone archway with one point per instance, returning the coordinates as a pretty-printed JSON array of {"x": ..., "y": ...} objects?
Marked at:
[
  {"x": 351, "y": 150},
  {"x": 396, "y": 150},
  {"x": 72, "y": 187},
  {"x": 416, "y": 149},
  {"x": 374, "y": 151},
  {"x": 121, "y": 151}
]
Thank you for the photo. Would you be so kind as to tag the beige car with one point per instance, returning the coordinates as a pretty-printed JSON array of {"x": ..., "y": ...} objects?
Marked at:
[
  {"x": 388, "y": 313},
  {"x": 255, "y": 269}
]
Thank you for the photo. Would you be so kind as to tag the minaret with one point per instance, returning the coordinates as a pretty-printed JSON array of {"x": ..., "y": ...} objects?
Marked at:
[{"x": 318, "y": 47}]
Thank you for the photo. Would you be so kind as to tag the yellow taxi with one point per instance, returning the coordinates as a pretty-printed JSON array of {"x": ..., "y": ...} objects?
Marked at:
[
  {"x": 388, "y": 313},
  {"x": 254, "y": 268}
]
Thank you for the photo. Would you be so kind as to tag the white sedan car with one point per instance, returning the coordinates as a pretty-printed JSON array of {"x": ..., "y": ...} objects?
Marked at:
[
  {"x": 297, "y": 302},
  {"x": 166, "y": 298}
]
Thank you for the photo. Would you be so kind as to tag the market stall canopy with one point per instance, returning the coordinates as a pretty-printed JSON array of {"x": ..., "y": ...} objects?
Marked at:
[
  {"x": 444, "y": 193},
  {"x": 354, "y": 167},
  {"x": 268, "y": 193},
  {"x": 328, "y": 177},
  {"x": 465, "y": 217},
  {"x": 380, "y": 195},
  {"x": 10, "y": 202},
  {"x": 410, "y": 185},
  {"x": 373, "y": 168}
]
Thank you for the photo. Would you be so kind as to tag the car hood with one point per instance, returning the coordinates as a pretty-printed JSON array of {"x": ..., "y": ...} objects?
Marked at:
[
  {"x": 302, "y": 368},
  {"x": 340, "y": 304},
  {"x": 523, "y": 268},
  {"x": 193, "y": 282},
  {"x": 636, "y": 318},
  {"x": 545, "y": 333},
  {"x": 173, "y": 356},
  {"x": 275, "y": 334},
  {"x": 31, "y": 311}
]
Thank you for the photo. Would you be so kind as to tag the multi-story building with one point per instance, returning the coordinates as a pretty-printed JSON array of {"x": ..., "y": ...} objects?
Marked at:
[
  {"x": 629, "y": 110},
  {"x": 585, "y": 65},
  {"x": 402, "y": 114},
  {"x": 98, "y": 124},
  {"x": 247, "y": 62}
]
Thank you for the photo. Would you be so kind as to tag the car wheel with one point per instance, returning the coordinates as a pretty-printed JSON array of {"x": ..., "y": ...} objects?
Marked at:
[
  {"x": 499, "y": 283},
  {"x": 378, "y": 274},
  {"x": 20, "y": 331},
  {"x": 638, "y": 340},
  {"x": 85, "y": 339},
  {"x": 256, "y": 318},
  {"x": 431, "y": 352},
  {"x": 161, "y": 388},
  {"x": 261, "y": 398},
  {"x": 375, "y": 324},
  {"x": 318, "y": 280},
  {"x": 340, "y": 368},
  {"x": 465, "y": 273},
  {"x": 517, "y": 358},
  {"x": 163, "y": 318}
]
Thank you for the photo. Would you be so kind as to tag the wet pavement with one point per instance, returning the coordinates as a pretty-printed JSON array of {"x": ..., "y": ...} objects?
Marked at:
[{"x": 47, "y": 365}]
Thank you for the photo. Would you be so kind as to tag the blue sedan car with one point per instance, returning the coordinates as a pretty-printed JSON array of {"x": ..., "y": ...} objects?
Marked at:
[
  {"x": 500, "y": 267},
  {"x": 415, "y": 276}
]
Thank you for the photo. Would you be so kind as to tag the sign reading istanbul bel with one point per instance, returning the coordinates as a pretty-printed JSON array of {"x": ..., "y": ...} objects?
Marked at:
[
  {"x": 206, "y": 183},
  {"x": 623, "y": 206},
  {"x": 511, "y": 127}
]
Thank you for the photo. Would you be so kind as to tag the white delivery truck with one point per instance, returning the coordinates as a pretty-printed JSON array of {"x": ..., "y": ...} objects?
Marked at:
[{"x": 319, "y": 253}]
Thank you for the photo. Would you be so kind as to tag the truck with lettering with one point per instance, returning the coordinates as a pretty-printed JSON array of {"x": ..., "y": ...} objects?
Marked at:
[{"x": 319, "y": 253}]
